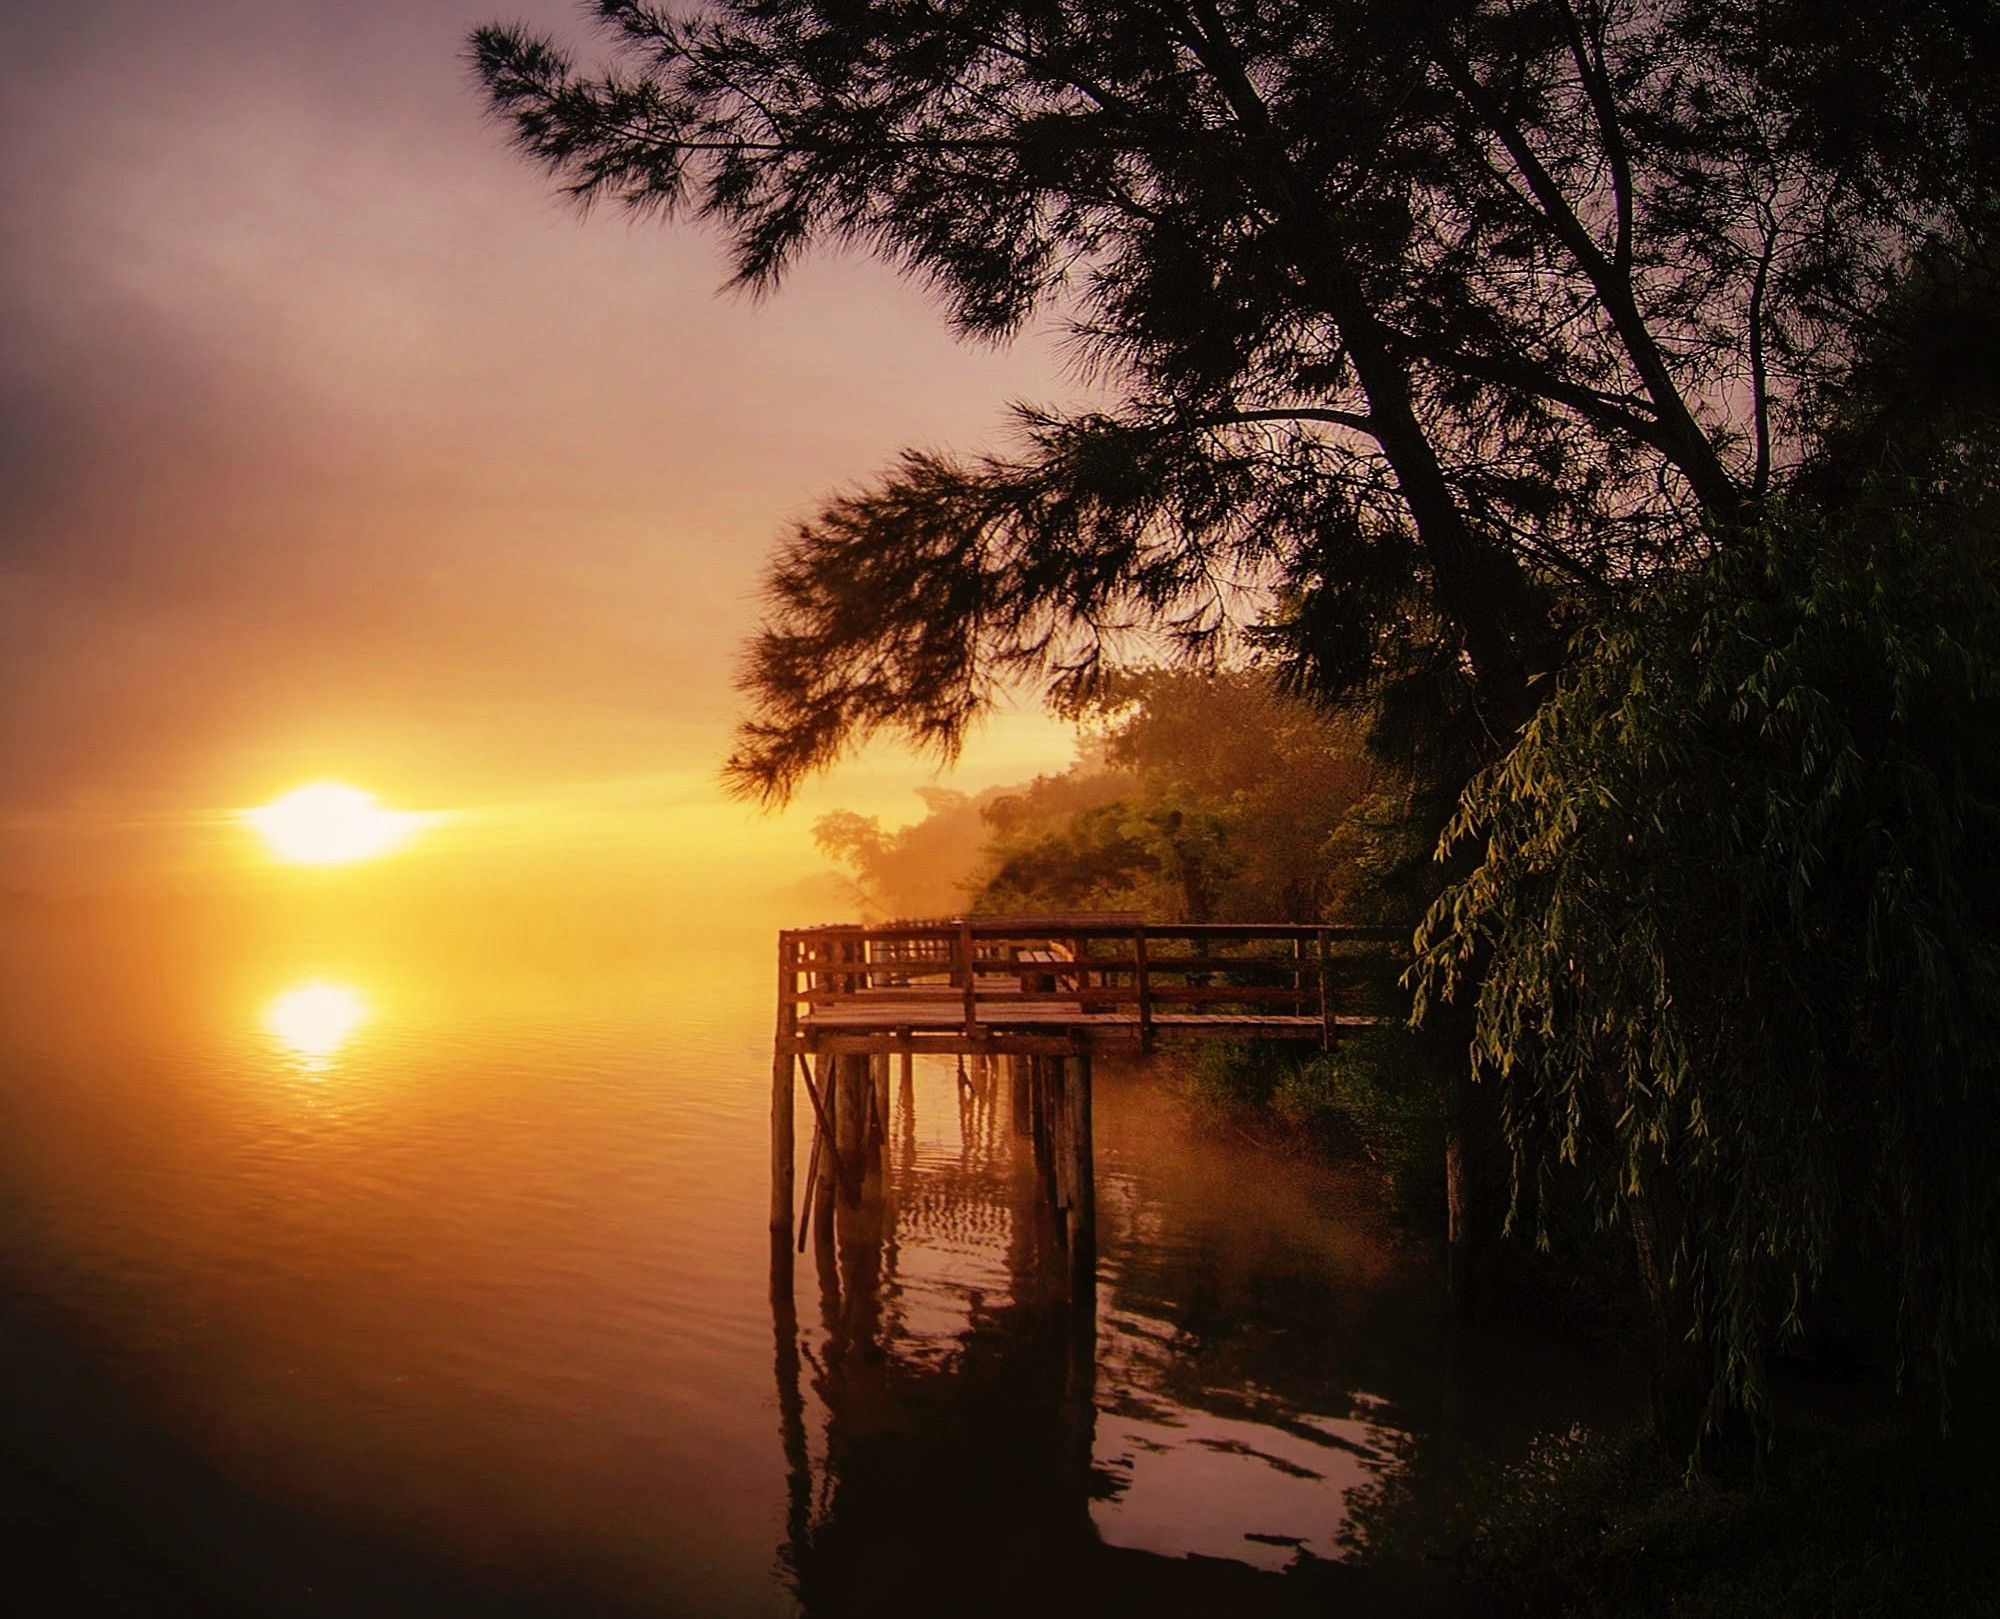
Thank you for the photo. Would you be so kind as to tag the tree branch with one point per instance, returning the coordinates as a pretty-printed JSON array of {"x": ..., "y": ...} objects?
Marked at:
[
  {"x": 1760, "y": 398},
  {"x": 1682, "y": 440},
  {"x": 1589, "y": 59},
  {"x": 1289, "y": 413}
]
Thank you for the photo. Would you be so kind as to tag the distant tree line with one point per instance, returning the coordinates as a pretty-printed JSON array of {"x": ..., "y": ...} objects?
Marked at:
[{"x": 1196, "y": 797}]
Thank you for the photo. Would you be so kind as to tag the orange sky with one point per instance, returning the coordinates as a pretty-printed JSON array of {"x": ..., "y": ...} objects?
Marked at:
[{"x": 334, "y": 446}]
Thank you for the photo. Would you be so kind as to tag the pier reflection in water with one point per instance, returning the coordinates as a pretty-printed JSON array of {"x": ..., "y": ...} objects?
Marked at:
[
  {"x": 969, "y": 1428},
  {"x": 436, "y": 1281}
]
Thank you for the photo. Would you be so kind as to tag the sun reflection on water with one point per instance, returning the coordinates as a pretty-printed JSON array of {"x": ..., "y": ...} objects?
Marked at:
[{"x": 314, "y": 1019}]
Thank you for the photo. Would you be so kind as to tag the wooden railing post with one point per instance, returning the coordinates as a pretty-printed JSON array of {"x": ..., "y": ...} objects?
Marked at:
[
  {"x": 965, "y": 961},
  {"x": 1145, "y": 987},
  {"x": 1325, "y": 1000}
]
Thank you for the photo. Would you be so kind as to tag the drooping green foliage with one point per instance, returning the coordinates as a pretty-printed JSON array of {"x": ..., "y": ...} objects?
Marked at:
[{"x": 1739, "y": 899}]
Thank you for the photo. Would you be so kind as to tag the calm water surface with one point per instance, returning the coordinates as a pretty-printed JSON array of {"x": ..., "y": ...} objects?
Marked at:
[{"x": 454, "y": 1265}]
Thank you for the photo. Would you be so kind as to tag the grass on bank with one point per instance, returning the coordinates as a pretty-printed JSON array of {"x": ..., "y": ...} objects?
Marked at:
[{"x": 1854, "y": 1517}]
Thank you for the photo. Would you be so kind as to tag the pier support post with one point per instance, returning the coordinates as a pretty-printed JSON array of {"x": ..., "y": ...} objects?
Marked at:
[
  {"x": 1081, "y": 1213},
  {"x": 781, "y": 1147},
  {"x": 1055, "y": 1139},
  {"x": 825, "y": 1261},
  {"x": 860, "y": 1220},
  {"x": 906, "y": 1110},
  {"x": 852, "y": 1087},
  {"x": 1038, "y": 1110},
  {"x": 1079, "y": 1403},
  {"x": 829, "y": 1172},
  {"x": 782, "y": 1096},
  {"x": 878, "y": 1118}
]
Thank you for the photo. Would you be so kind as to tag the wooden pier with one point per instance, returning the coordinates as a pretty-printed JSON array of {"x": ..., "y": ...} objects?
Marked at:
[{"x": 1042, "y": 995}]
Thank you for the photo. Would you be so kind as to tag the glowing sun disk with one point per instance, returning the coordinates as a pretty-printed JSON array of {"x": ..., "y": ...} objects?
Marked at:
[{"x": 330, "y": 823}]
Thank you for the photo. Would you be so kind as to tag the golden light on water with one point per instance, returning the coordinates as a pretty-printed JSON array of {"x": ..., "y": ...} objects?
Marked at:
[
  {"x": 315, "y": 1019},
  {"x": 329, "y": 823}
]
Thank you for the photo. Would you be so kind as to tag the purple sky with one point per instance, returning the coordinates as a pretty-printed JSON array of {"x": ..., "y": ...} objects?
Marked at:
[{"x": 336, "y": 446}]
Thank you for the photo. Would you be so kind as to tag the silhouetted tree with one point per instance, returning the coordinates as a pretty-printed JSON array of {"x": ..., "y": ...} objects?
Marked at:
[
  {"x": 1436, "y": 311},
  {"x": 1434, "y": 323}
]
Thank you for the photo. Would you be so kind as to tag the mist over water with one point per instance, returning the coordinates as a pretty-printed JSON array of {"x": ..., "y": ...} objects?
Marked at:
[{"x": 452, "y": 1256}]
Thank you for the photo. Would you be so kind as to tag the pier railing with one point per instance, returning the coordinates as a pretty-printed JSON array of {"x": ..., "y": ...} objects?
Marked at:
[
  {"x": 1043, "y": 992},
  {"x": 982, "y": 973}
]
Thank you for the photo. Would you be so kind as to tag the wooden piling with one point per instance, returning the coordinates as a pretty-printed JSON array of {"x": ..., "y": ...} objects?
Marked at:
[
  {"x": 906, "y": 1110},
  {"x": 878, "y": 1120},
  {"x": 1056, "y": 1100},
  {"x": 832, "y": 1162},
  {"x": 782, "y": 1096},
  {"x": 850, "y": 1120},
  {"x": 1081, "y": 1214}
]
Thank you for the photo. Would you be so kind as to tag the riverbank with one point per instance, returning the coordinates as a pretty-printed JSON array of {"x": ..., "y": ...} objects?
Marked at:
[
  {"x": 1861, "y": 1510},
  {"x": 1854, "y": 1515}
]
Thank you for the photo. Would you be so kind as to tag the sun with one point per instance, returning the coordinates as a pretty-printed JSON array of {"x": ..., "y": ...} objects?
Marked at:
[{"x": 329, "y": 824}]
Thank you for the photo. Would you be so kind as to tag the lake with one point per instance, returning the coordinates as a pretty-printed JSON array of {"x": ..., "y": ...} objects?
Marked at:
[{"x": 358, "y": 1279}]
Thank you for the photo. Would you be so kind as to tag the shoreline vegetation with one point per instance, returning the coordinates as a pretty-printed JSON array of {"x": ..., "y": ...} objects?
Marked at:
[{"x": 1854, "y": 1501}]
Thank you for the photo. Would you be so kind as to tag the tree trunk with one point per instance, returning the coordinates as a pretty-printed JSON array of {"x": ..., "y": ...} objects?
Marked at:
[
  {"x": 1474, "y": 1172},
  {"x": 1477, "y": 584},
  {"x": 1687, "y": 1418}
]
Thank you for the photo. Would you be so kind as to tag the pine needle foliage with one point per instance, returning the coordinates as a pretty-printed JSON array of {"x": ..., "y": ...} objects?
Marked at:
[{"x": 1428, "y": 316}]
